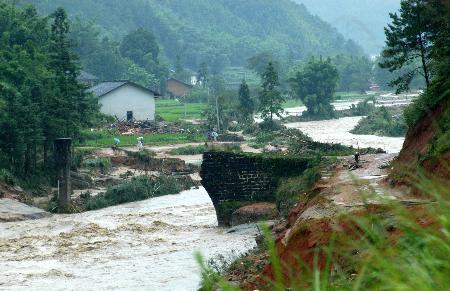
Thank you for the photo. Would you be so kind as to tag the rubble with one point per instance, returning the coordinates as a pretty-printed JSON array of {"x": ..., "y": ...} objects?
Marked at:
[{"x": 147, "y": 127}]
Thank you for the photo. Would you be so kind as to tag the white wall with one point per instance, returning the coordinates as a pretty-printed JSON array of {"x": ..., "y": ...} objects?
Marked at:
[{"x": 129, "y": 98}]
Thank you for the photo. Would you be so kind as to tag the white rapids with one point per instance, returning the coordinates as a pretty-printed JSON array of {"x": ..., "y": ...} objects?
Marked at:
[{"x": 147, "y": 245}]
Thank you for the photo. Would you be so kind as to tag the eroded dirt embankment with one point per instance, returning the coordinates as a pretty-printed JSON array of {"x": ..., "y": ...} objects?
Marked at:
[
  {"x": 418, "y": 142},
  {"x": 325, "y": 214}
]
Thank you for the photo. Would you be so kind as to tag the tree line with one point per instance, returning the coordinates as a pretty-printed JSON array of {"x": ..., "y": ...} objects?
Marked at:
[
  {"x": 219, "y": 32},
  {"x": 40, "y": 97},
  {"x": 417, "y": 50}
]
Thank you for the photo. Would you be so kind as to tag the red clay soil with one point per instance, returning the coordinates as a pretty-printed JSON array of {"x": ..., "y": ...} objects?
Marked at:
[
  {"x": 298, "y": 255},
  {"x": 417, "y": 144}
]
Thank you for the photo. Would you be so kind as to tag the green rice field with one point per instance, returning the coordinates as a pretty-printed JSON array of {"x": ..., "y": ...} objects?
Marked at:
[{"x": 173, "y": 110}]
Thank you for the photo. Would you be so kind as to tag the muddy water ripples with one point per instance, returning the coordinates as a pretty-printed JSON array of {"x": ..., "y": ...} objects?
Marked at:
[{"x": 147, "y": 245}]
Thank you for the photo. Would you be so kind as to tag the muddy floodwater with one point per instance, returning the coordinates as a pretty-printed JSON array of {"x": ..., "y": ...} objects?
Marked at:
[
  {"x": 147, "y": 245},
  {"x": 338, "y": 131}
]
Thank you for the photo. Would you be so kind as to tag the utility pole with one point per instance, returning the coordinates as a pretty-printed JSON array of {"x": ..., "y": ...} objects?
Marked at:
[
  {"x": 62, "y": 163},
  {"x": 185, "y": 106}
]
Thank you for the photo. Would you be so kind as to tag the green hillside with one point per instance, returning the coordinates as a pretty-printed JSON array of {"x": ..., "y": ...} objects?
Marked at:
[
  {"x": 360, "y": 20},
  {"x": 219, "y": 32}
]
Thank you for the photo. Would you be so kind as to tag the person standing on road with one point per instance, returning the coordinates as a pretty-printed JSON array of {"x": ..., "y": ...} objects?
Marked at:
[{"x": 214, "y": 135}]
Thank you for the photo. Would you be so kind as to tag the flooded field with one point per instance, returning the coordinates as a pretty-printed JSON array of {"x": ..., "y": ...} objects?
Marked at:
[{"x": 147, "y": 245}]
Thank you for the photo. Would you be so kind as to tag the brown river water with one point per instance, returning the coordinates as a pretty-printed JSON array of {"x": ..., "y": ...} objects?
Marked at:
[{"x": 147, "y": 245}]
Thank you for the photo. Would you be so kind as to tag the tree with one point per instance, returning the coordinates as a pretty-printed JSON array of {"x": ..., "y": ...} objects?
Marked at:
[
  {"x": 354, "y": 72},
  {"x": 315, "y": 85},
  {"x": 140, "y": 46},
  {"x": 180, "y": 73},
  {"x": 71, "y": 106},
  {"x": 270, "y": 99},
  {"x": 98, "y": 54},
  {"x": 258, "y": 63},
  {"x": 438, "y": 30},
  {"x": 246, "y": 104},
  {"x": 409, "y": 38}
]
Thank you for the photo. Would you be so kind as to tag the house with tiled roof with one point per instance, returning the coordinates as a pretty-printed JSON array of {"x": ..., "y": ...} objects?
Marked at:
[
  {"x": 177, "y": 88},
  {"x": 125, "y": 100},
  {"x": 87, "y": 79}
]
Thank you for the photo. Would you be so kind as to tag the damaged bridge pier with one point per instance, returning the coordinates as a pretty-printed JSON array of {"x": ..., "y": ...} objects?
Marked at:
[{"x": 233, "y": 180}]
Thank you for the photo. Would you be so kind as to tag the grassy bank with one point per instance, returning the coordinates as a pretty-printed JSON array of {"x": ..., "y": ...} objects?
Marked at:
[
  {"x": 137, "y": 189},
  {"x": 106, "y": 139},
  {"x": 173, "y": 110},
  {"x": 348, "y": 96},
  {"x": 292, "y": 103},
  {"x": 188, "y": 150}
]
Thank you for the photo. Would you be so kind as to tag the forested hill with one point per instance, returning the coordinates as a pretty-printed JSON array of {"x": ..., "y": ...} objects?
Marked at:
[
  {"x": 360, "y": 20},
  {"x": 219, "y": 32}
]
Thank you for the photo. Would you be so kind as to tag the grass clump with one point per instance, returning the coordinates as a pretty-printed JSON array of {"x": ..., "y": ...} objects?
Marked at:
[
  {"x": 188, "y": 150},
  {"x": 107, "y": 139},
  {"x": 102, "y": 164},
  {"x": 382, "y": 122},
  {"x": 79, "y": 155},
  {"x": 7, "y": 178},
  {"x": 137, "y": 189},
  {"x": 291, "y": 190}
]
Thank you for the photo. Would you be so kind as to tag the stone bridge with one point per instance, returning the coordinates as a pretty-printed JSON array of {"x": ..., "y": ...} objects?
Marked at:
[{"x": 233, "y": 180}]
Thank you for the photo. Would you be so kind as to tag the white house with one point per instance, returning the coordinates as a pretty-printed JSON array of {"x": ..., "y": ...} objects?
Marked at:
[{"x": 126, "y": 100}]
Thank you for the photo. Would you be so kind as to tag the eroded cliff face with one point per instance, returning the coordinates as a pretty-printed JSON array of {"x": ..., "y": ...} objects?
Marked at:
[{"x": 419, "y": 149}]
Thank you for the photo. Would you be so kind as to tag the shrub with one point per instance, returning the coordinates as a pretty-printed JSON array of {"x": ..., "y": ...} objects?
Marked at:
[
  {"x": 7, "y": 178},
  {"x": 290, "y": 190},
  {"x": 139, "y": 188},
  {"x": 189, "y": 150},
  {"x": 382, "y": 122},
  {"x": 271, "y": 125},
  {"x": 144, "y": 155},
  {"x": 103, "y": 164},
  {"x": 79, "y": 155}
]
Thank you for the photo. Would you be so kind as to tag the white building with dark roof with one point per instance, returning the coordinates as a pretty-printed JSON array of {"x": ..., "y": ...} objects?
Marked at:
[{"x": 126, "y": 100}]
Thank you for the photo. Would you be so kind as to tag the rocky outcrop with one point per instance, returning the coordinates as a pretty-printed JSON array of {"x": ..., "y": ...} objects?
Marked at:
[{"x": 254, "y": 213}]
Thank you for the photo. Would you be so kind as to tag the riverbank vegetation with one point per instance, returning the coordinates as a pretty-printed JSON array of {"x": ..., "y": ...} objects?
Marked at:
[
  {"x": 106, "y": 138},
  {"x": 188, "y": 150},
  {"x": 40, "y": 97},
  {"x": 138, "y": 188},
  {"x": 395, "y": 246},
  {"x": 384, "y": 121}
]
